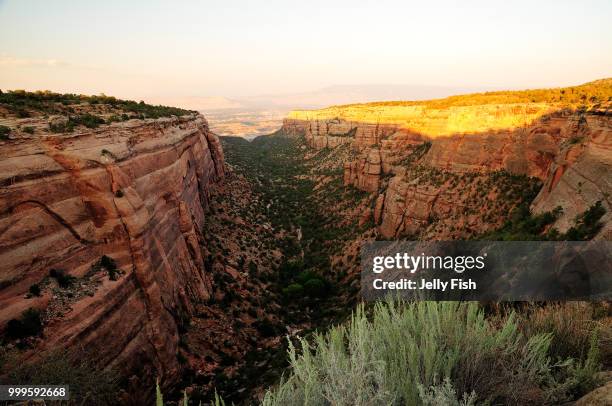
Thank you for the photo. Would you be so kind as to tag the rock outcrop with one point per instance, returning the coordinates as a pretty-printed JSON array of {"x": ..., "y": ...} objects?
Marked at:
[
  {"x": 364, "y": 173},
  {"x": 133, "y": 193},
  {"x": 601, "y": 396},
  {"x": 581, "y": 172}
]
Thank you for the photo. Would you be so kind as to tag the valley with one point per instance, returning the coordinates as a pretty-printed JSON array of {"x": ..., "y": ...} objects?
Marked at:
[
  {"x": 172, "y": 255},
  {"x": 335, "y": 203},
  {"x": 245, "y": 122}
]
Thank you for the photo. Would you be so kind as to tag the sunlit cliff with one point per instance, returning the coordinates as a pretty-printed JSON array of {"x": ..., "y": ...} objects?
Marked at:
[{"x": 472, "y": 113}]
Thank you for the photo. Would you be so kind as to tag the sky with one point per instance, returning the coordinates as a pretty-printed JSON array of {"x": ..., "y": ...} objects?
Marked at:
[{"x": 168, "y": 49}]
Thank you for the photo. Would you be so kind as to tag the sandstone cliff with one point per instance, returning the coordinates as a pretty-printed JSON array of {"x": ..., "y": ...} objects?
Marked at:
[
  {"x": 455, "y": 167},
  {"x": 132, "y": 192}
]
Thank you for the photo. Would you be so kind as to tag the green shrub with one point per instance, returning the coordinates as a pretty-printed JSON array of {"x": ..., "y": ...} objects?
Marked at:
[
  {"x": 266, "y": 328},
  {"x": 159, "y": 398},
  {"x": 61, "y": 127},
  {"x": 584, "y": 373},
  {"x": 315, "y": 288},
  {"x": 111, "y": 266},
  {"x": 587, "y": 224},
  {"x": 305, "y": 276},
  {"x": 29, "y": 324},
  {"x": 4, "y": 132},
  {"x": 294, "y": 290},
  {"x": 63, "y": 280},
  {"x": 114, "y": 118},
  {"x": 35, "y": 290},
  {"x": 571, "y": 325},
  {"x": 88, "y": 120},
  {"x": 22, "y": 113},
  {"x": 29, "y": 130},
  {"x": 290, "y": 269},
  {"x": 444, "y": 395}
]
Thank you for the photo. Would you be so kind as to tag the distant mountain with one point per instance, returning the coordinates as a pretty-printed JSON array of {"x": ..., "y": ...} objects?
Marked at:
[
  {"x": 328, "y": 96},
  {"x": 197, "y": 102},
  {"x": 347, "y": 94}
]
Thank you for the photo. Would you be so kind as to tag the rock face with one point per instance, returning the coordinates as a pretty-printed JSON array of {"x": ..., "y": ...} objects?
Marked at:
[
  {"x": 581, "y": 172},
  {"x": 570, "y": 151},
  {"x": 364, "y": 173},
  {"x": 601, "y": 396},
  {"x": 135, "y": 192}
]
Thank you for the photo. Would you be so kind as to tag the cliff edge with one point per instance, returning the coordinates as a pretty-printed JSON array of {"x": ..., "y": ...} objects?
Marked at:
[{"x": 101, "y": 210}]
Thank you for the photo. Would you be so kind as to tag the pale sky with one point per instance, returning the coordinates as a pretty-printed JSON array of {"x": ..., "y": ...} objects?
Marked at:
[{"x": 139, "y": 49}]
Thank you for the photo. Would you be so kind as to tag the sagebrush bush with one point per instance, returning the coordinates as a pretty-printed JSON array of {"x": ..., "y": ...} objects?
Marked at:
[
  {"x": 385, "y": 358},
  {"x": 29, "y": 324},
  {"x": 570, "y": 323},
  {"x": 444, "y": 395}
]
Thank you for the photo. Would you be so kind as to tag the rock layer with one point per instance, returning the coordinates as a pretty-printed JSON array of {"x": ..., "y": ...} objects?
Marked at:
[
  {"x": 133, "y": 191},
  {"x": 570, "y": 151}
]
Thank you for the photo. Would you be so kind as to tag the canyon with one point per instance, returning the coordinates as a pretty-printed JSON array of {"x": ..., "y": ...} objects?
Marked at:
[
  {"x": 128, "y": 241},
  {"x": 431, "y": 163},
  {"x": 164, "y": 252}
]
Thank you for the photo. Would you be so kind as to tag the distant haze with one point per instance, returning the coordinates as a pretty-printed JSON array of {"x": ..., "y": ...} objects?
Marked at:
[
  {"x": 332, "y": 95},
  {"x": 346, "y": 94},
  {"x": 278, "y": 53}
]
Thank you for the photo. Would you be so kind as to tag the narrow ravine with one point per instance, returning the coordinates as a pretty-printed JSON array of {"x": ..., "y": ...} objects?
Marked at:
[{"x": 275, "y": 226}]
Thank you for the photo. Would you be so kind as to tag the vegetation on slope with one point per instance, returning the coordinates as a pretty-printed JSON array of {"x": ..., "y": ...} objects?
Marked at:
[
  {"x": 29, "y": 113},
  {"x": 414, "y": 353},
  {"x": 299, "y": 195},
  {"x": 598, "y": 91},
  {"x": 479, "y": 200},
  {"x": 25, "y": 104},
  {"x": 87, "y": 384},
  {"x": 526, "y": 226},
  {"x": 271, "y": 227}
]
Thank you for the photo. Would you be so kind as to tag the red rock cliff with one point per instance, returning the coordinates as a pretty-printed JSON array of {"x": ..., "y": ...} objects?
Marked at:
[
  {"x": 569, "y": 151},
  {"x": 134, "y": 191}
]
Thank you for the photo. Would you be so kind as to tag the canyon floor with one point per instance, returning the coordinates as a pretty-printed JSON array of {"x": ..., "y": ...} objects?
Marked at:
[{"x": 271, "y": 222}]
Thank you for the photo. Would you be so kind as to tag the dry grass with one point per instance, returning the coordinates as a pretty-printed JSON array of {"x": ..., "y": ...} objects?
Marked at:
[{"x": 572, "y": 325}]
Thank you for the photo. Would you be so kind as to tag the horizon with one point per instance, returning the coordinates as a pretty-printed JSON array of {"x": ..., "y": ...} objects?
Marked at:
[{"x": 238, "y": 51}]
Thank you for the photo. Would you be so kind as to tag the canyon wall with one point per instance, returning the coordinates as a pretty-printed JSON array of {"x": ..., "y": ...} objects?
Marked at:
[
  {"x": 133, "y": 191},
  {"x": 420, "y": 166}
]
